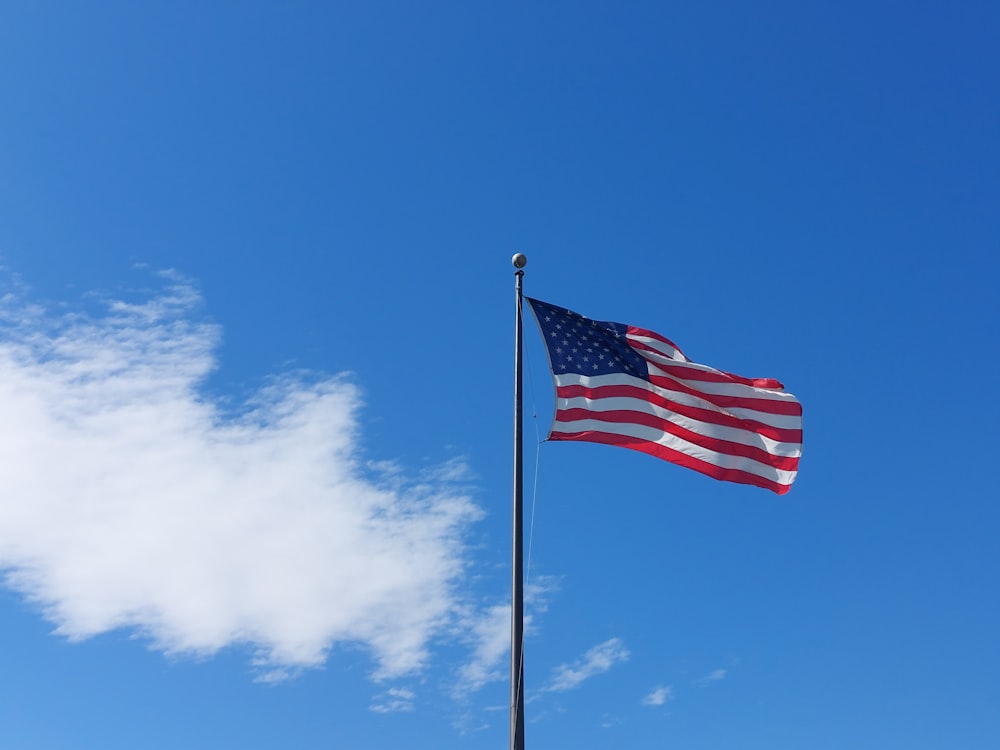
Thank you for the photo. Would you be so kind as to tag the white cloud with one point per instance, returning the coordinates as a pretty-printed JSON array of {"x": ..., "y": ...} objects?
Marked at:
[
  {"x": 393, "y": 701},
  {"x": 658, "y": 696},
  {"x": 488, "y": 633},
  {"x": 713, "y": 676},
  {"x": 596, "y": 661},
  {"x": 130, "y": 500}
]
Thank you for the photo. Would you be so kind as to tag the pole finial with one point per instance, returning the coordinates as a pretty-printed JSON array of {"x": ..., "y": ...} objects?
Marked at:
[{"x": 520, "y": 260}]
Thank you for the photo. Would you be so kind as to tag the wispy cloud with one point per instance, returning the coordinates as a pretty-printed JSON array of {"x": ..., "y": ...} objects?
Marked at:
[
  {"x": 713, "y": 676},
  {"x": 658, "y": 696},
  {"x": 128, "y": 499},
  {"x": 596, "y": 661},
  {"x": 488, "y": 633},
  {"x": 393, "y": 701}
]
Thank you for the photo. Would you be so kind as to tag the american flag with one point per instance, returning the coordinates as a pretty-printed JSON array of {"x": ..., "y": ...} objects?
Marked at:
[{"x": 627, "y": 386}]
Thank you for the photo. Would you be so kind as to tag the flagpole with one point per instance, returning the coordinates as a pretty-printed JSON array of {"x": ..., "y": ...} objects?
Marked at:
[{"x": 517, "y": 573}]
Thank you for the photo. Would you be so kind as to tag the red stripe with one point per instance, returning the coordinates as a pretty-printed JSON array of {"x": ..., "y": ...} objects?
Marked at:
[
  {"x": 646, "y": 333},
  {"x": 718, "y": 445},
  {"x": 674, "y": 457},
  {"x": 768, "y": 406},
  {"x": 723, "y": 419},
  {"x": 694, "y": 371}
]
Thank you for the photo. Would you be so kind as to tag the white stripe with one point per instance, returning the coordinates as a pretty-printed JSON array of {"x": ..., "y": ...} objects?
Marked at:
[
  {"x": 722, "y": 460},
  {"x": 786, "y": 421},
  {"x": 708, "y": 429}
]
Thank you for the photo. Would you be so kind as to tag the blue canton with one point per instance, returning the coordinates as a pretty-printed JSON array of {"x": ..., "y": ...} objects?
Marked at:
[{"x": 586, "y": 347}]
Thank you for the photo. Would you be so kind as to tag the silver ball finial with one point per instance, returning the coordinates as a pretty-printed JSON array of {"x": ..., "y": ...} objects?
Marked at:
[{"x": 520, "y": 260}]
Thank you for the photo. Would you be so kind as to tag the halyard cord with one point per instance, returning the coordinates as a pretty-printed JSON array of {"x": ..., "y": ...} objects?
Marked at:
[
  {"x": 538, "y": 450},
  {"x": 534, "y": 496}
]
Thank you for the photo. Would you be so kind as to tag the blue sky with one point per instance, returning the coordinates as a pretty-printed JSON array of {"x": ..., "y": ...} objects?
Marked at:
[{"x": 255, "y": 340}]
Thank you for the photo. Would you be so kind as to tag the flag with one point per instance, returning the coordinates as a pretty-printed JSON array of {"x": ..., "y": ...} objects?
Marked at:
[{"x": 621, "y": 385}]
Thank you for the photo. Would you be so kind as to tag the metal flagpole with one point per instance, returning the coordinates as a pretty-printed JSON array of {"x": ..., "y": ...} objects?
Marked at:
[{"x": 517, "y": 576}]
